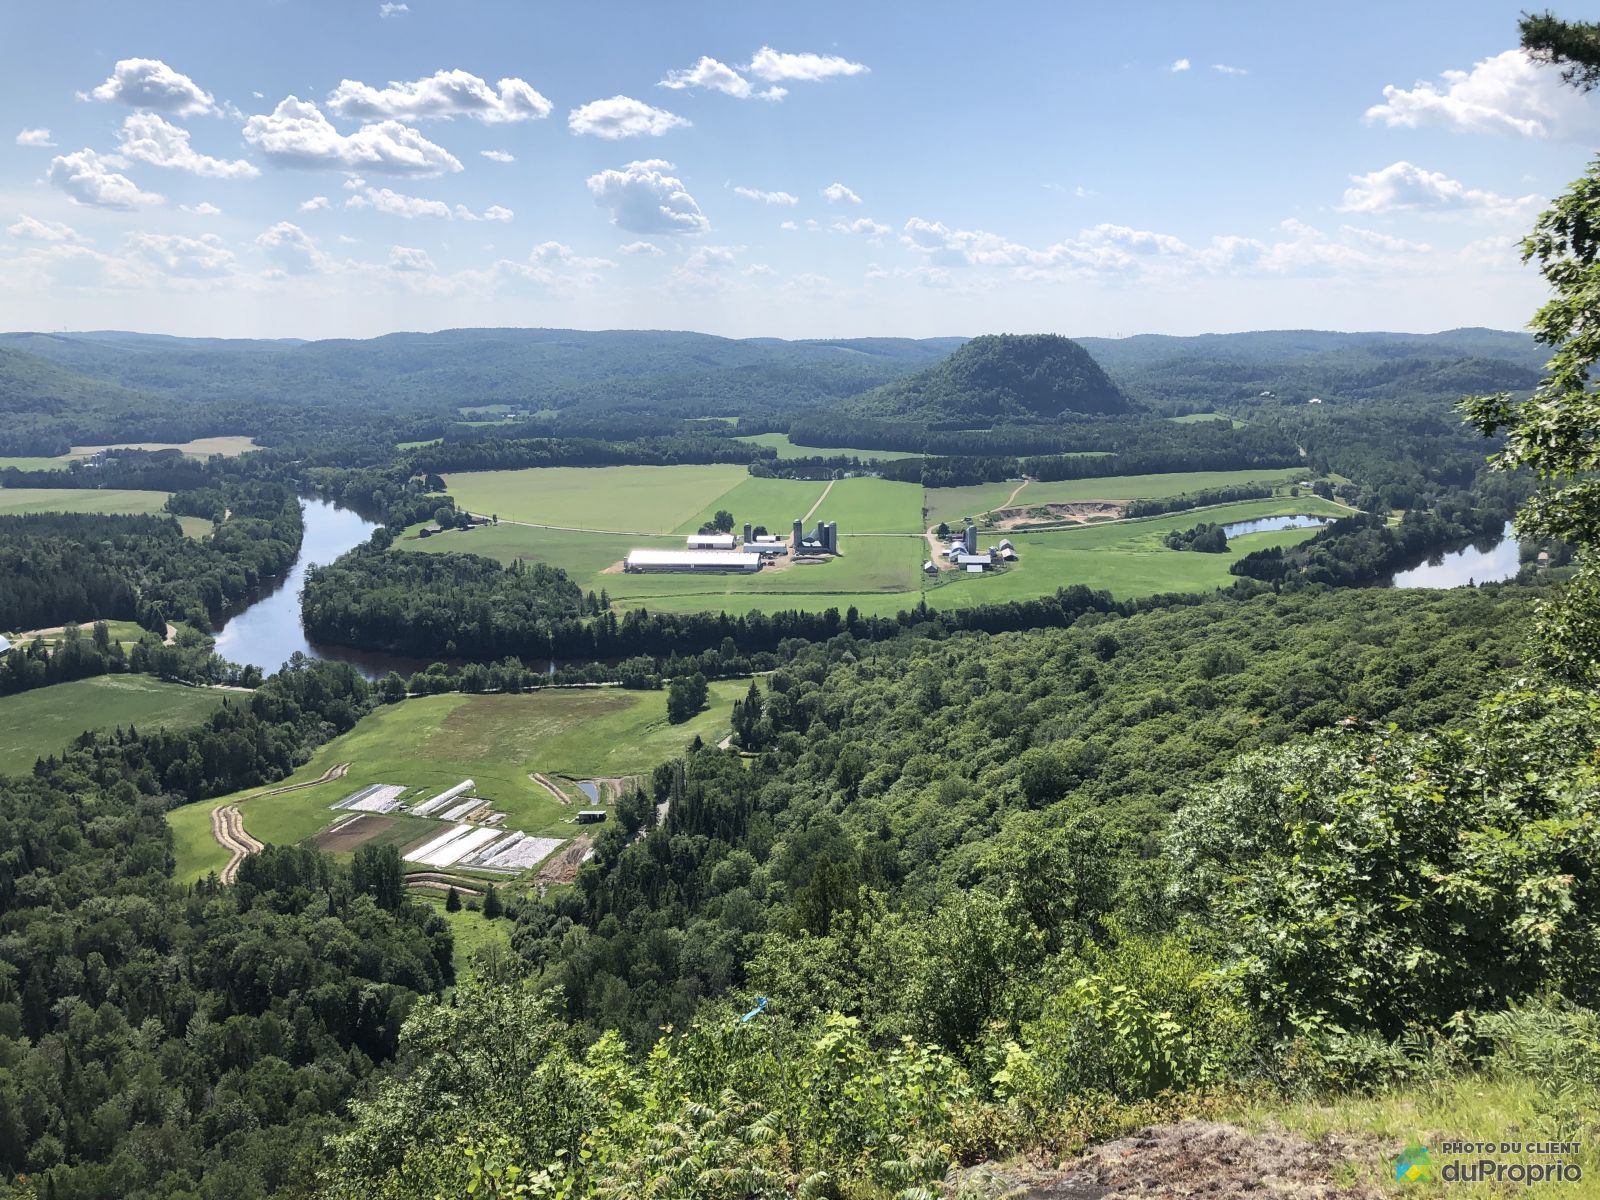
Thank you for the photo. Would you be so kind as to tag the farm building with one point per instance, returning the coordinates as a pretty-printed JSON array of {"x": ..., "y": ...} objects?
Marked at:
[
  {"x": 4, "y": 645},
  {"x": 974, "y": 562},
  {"x": 929, "y": 568},
  {"x": 590, "y": 816},
  {"x": 822, "y": 540},
  {"x": 768, "y": 545},
  {"x": 691, "y": 560},
  {"x": 712, "y": 541}
]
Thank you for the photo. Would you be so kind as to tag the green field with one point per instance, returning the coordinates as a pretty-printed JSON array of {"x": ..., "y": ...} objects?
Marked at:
[
  {"x": 1197, "y": 418},
  {"x": 86, "y": 500},
  {"x": 1126, "y": 558},
  {"x": 126, "y": 632},
  {"x": 623, "y": 499},
  {"x": 787, "y": 449},
  {"x": 230, "y": 446},
  {"x": 435, "y": 742},
  {"x": 45, "y": 720},
  {"x": 951, "y": 504}
]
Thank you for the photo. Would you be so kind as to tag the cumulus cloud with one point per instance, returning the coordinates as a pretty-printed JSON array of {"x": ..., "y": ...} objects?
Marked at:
[
  {"x": 862, "y": 225},
  {"x": 766, "y": 197},
  {"x": 1225, "y": 69},
  {"x": 441, "y": 96},
  {"x": 186, "y": 257},
  {"x": 395, "y": 204},
  {"x": 314, "y": 204},
  {"x": 34, "y": 137},
  {"x": 837, "y": 193},
  {"x": 1181, "y": 64},
  {"x": 641, "y": 250},
  {"x": 291, "y": 250},
  {"x": 88, "y": 179},
  {"x": 149, "y": 139},
  {"x": 1506, "y": 94},
  {"x": 296, "y": 134},
  {"x": 714, "y": 76},
  {"x": 30, "y": 229},
  {"x": 499, "y": 156},
  {"x": 644, "y": 198},
  {"x": 150, "y": 83},
  {"x": 1402, "y": 187},
  {"x": 622, "y": 117},
  {"x": 776, "y": 67},
  {"x": 560, "y": 254},
  {"x": 204, "y": 209},
  {"x": 1384, "y": 241},
  {"x": 409, "y": 258},
  {"x": 391, "y": 9}
]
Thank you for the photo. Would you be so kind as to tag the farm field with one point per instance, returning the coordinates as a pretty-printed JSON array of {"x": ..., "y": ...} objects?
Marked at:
[
  {"x": 230, "y": 446},
  {"x": 126, "y": 632},
  {"x": 1197, "y": 418},
  {"x": 470, "y": 931},
  {"x": 44, "y": 720},
  {"x": 951, "y": 504},
  {"x": 1127, "y": 558},
  {"x": 435, "y": 742},
  {"x": 787, "y": 449},
  {"x": 89, "y": 500},
  {"x": 637, "y": 499}
]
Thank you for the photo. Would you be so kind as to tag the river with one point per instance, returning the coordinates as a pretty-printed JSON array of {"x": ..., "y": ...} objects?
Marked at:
[
  {"x": 1489, "y": 560},
  {"x": 266, "y": 630}
]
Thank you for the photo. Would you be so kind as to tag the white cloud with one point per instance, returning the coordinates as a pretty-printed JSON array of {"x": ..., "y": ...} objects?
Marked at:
[
  {"x": 973, "y": 247},
  {"x": 441, "y": 96},
  {"x": 30, "y": 229},
  {"x": 560, "y": 254},
  {"x": 296, "y": 134},
  {"x": 712, "y": 75},
  {"x": 621, "y": 117},
  {"x": 641, "y": 250},
  {"x": 837, "y": 193},
  {"x": 149, "y": 139},
  {"x": 173, "y": 254},
  {"x": 1181, "y": 64},
  {"x": 789, "y": 227},
  {"x": 385, "y": 200},
  {"x": 775, "y": 67},
  {"x": 204, "y": 209},
  {"x": 499, "y": 156},
  {"x": 1508, "y": 94},
  {"x": 389, "y": 8},
  {"x": 1225, "y": 69},
  {"x": 291, "y": 249},
  {"x": 34, "y": 137},
  {"x": 150, "y": 83},
  {"x": 409, "y": 258},
  {"x": 1402, "y": 187},
  {"x": 643, "y": 198},
  {"x": 862, "y": 225},
  {"x": 88, "y": 179},
  {"x": 766, "y": 197},
  {"x": 1384, "y": 241},
  {"x": 315, "y": 203}
]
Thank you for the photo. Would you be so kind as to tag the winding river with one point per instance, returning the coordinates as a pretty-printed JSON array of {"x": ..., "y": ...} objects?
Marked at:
[
  {"x": 1489, "y": 560},
  {"x": 266, "y": 630}
]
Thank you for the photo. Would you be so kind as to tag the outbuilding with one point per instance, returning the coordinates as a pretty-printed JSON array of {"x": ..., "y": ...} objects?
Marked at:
[
  {"x": 712, "y": 541},
  {"x": 691, "y": 560}
]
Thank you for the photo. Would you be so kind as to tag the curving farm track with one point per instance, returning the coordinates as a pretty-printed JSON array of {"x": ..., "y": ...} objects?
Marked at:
[{"x": 227, "y": 825}]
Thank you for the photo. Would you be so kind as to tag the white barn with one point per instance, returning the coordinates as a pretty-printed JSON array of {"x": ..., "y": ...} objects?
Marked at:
[
  {"x": 691, "y": 560},
  {"x": 712, "y": 541}
]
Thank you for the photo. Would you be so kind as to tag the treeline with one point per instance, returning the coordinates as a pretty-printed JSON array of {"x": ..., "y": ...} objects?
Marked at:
[
  {"x": 61, "y": 567},
  {"x": 38, "y": 663},
  {"x": 140, "y": 470},
  {"x": 501, "y": 454},
  {"x": 1206, "y": 538},
  {"x": 1365, "y": 547},
  {"x": 1206, "y": 497}
]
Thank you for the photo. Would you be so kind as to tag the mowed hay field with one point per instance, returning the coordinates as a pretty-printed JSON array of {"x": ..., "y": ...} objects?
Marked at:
[
  {"x": 43, "y": 721},
  {"x": 81, "y": 500},
  {"x": 787, "y": 449},
  {"x": 229, "y": 447},
  {"x": 435, "y": 742},
  {"x": 628, "y": 499},
  {"x": 951, "y": 504}
]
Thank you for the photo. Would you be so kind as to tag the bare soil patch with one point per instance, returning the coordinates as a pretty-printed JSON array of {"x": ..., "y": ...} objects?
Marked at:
[
  {"x": 563, "y": 868},
  {"x": 549, "y": 786},
  {"x": 347, "y": 835},
  {"x": 1079, "y": 512}
]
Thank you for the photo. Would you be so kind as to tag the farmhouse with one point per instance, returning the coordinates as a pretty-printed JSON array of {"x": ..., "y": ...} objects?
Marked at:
[
  {"x": 712, "y": 541},
  {"x": 691, "y": 560}
]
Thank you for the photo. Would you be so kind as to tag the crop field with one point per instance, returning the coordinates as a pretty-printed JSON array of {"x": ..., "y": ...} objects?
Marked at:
[
  {"x": 126, "y": 632},
  {"x": 435, "y": 742},
  {"x": 1127, "y": 558},
  {"x": 624, "y": 499},
  {"x": 581, "y": 555},
  {"x": 787, "y": 449},
  {"x": 44, "y": 720},
  {"x": 1197, "y": 418},
  {"x": 951, "y": 504},
  {"x": 231, "y": 447},
  {"x": 87, "y": 500}
]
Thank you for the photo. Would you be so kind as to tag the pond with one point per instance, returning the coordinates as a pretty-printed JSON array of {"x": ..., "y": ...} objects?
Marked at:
[
  {"x": 591, "y": 790},
  {"x": 1489, "y": 560},
  {"x": 266, "y": 630},
  {"x": 1269, "y": 524}
]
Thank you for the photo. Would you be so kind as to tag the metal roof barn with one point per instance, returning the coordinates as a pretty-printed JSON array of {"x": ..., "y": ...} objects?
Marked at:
[{"x": 691, "y": 560}]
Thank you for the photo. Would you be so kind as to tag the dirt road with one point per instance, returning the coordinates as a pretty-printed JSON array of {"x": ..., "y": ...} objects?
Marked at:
[{"x": 228, "y": 828}]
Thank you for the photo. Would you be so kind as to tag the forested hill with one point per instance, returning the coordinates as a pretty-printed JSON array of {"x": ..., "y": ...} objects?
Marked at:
[
  {"x": 1295, "y": 365},
  {"x": 1005, "y": 377}
]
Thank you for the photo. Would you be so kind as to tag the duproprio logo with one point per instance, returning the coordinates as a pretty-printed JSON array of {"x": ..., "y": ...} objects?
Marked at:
[{"x": 1415, "y": 1164}]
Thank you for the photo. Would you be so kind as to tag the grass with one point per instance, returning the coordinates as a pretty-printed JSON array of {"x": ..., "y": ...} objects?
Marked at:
[
  {"x": 774, "y": 503},
  {"x": 434, "y": 742},
  {"x": 231, "y": 446},
  {"x": 126, "y": 632},
  {"x": 787, "y": 449},
  {"x": 43, "y": 721},
  {"x": 82, "y": 500},
  {"x": 951, "y": 504},
  {"x": 471, "y": 931},
  {"x": 638, "y": 499},
  {"x": 1198, "y": 418}
]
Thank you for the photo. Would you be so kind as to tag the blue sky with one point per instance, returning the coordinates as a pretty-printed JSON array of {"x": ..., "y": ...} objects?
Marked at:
[{"x": 349, "y": 167}]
